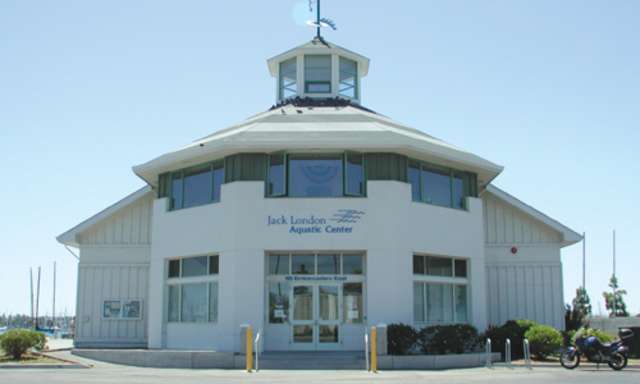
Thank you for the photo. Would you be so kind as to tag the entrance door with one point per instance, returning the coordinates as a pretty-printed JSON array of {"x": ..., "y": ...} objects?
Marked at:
[{"x": 315, "y": 323}]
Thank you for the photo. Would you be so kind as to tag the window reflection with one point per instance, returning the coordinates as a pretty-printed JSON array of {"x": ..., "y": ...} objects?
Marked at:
[
  {"x": 315, "y": 177},
  {"x": 352, "y": 302},
  {"x": 328, "y": 264},
  {"x": 303, "y": 264}
]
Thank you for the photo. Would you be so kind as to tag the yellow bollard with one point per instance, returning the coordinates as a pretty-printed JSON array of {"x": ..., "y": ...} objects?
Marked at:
[
  {"x": 374, "y": 350},
  {"x": 249, "y": 350}
]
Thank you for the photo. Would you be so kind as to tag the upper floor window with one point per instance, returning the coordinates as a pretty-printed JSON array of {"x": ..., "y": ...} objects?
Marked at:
[
  {"x": 196, "y": 185},
  {"x": 317, "y": 73},
  {"x": 288, "y": 81},
  {"x": 439, "y": 186},
  {"x": 348, "y": 78},
  {"x": 316, "y": 175}
]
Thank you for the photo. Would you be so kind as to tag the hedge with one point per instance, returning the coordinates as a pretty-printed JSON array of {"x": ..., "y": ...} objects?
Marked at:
[{"x": 16, "y": 342}]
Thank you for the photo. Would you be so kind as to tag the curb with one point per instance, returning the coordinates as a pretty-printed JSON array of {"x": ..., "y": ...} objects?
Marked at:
[{"x": 68, "y": 364}]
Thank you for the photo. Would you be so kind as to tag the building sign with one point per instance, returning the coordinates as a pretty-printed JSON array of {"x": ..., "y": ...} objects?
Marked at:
[
  {"x": 342, "y": 221},
  {"x": 315, "y": 278}
]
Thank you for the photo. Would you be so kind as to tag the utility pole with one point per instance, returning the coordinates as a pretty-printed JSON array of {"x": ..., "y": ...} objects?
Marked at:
[
  {"x": 584, "y": 259},
  {"x": 53, "y": 313},
  {"x": 31, "y": 286},
  {"x": 37, "y": 297},
  {"x": 615, "y": 313}
]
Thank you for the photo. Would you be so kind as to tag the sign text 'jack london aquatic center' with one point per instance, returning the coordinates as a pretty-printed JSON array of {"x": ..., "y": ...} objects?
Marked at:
[{"x": 342, "y": 221}]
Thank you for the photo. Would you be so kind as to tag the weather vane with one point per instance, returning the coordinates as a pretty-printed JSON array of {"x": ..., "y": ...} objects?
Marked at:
[{"x": 319, "y": 22}]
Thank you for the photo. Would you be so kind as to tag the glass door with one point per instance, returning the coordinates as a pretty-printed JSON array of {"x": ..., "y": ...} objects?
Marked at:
[
  {"x": 328, "y": 320},
  {"x": 315, "y": 324},
  {"x": 303, "y": 319}
]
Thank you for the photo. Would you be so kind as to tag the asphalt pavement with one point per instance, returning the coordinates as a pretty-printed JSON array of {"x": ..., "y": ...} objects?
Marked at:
[{"x": 109, "y": 373}]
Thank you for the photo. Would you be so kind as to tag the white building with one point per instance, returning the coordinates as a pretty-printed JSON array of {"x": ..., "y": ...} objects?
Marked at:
[{"x": 311, "y": 221}]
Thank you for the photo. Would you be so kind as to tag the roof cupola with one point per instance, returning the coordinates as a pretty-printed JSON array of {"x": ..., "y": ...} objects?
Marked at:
[{"x": 318, "y": 69}]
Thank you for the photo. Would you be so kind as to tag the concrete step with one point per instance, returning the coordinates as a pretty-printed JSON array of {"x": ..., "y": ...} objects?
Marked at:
[{"x": 313, "y": 360}]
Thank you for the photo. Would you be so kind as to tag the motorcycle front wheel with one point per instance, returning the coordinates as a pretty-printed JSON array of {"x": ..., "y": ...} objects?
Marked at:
[
  {"x": 618, "y": 361},
  {"x": 570, "y": 360}
]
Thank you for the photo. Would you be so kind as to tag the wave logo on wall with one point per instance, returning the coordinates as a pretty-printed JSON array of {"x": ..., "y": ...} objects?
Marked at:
[{"x": 347, "y": 216}]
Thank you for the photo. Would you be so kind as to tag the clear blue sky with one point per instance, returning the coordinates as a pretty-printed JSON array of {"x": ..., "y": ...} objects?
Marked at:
[{"x": 549, "y": 89}]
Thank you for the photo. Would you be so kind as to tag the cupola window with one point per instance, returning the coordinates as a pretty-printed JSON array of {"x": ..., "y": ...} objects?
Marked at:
[
  {"x": 317, "y": 74},
  {"x": 348, "y": 78},
  {"x": 288, "y": 79}
]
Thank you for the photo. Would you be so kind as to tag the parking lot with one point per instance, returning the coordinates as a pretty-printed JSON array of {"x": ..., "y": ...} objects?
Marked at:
[{"x": 109, "y": 373}]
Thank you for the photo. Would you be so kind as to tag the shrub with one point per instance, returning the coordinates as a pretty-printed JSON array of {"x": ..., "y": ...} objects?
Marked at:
[
  {"x": 401, "y": 339},
  {"x": 17, "y": 342},
  {"x": 543, "y": 340},
  {"x": 445, "y": 339},
  {"x": 586, "y": 332},
  {"x": 513, "y": 330}
]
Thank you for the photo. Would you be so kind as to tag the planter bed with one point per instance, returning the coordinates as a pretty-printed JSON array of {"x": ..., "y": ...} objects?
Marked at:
[{"x": 421, "y": 362}]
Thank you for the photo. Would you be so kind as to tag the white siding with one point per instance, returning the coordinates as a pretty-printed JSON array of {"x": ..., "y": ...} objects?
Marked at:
[
  {"x": 526, "y": 284},
  {"x": 129, "y": 226},
  {"x": 506, "y": 225},
  {"x": 525, "y": 292},
  {"x": 114, "y": 264},
  {"x": 99, "y": 282}
]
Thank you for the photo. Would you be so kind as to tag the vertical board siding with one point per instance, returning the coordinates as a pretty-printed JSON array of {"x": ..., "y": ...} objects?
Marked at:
[
  {"x": 129, "y": 226},
  {"x": 99, "y": 282},
  {"x": 507, "y": 225},
  {"x": 526, "y": 291}
]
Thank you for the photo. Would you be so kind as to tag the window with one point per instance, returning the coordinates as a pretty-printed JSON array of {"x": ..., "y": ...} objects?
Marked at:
[
  {"x": 122, "y": 309},
  {"x": 288, "y": 79},
  {"x": 316, "y": 264},
  {"x": 439, "y": 303},
  {"x": 436, "y": 187},
  {"x": 303, "y": 264},
  {"x": 354, "y": 170},
  {"x": 278, "y": 302},
  {"x": 276, "y": 185},
  {"x": 413, "y": 174},
  {"x": 194, "y": 266},
  {"x": 189, "y": 298},
  {"x": 328, "y": 264},
  {"x": 315, "y": 176},
  {"x": 440, "y": 186},
  {"x": 348, "y": 78},
  {"x": 279, "y": 264},
  {"x": 352, "y": 302},
  {"x": 196, "y": 186},
  {"x": 439, "y": 266},
  {"x": 317, "y": 73},
  {"x": 176, "y": 191},
  {"x": 439, "y": 290},
  {"x": 352, "y": 264}
]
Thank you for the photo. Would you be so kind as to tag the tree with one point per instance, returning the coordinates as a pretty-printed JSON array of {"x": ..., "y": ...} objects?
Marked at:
[
  {"x": 576, "y": 317},
  {"x": 615, "y": 297}
]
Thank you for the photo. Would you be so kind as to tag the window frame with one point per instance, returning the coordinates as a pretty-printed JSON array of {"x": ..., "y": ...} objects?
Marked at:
[
  {"x": 209, "y": 279},
  {"x": 356, "y": 95},
  {"x": 454, "y": 281},
  {"x": 288, "y": 87},
  {"x": 468, "y": 178},
  {"x": 308, "y": 82},
  {"x": 180, "y": 175}
]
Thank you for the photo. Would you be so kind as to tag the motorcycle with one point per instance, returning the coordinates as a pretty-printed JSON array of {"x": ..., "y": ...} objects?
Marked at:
[{"x": 615, "y": 354}]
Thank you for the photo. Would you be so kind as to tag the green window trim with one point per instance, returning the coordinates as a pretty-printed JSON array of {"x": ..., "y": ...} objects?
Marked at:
[
  {"x": 469, "y": 182},
  {"x": 168, "y": 178},
  {"x": 386, "y": 166}
]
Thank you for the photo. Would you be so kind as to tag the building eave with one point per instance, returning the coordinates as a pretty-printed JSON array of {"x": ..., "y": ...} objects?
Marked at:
[
  {"x": 569, "y": 236},
  {"x": 70, "y": 237}
]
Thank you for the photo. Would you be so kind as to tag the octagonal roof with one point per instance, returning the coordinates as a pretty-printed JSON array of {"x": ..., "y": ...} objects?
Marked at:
[{"x": 308, "y": 129}]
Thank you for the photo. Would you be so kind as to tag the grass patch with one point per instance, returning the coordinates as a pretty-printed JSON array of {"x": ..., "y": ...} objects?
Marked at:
[{"x": 27, "y": 358}]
